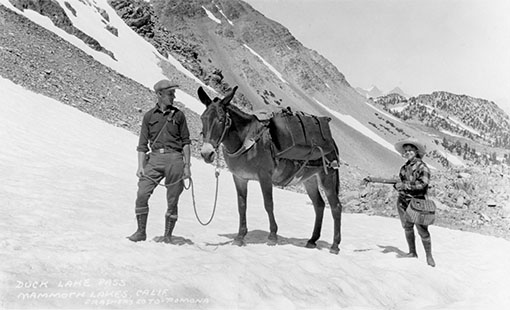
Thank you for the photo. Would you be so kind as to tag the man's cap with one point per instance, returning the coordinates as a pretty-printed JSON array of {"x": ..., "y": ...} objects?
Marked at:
[
  {"x": 164, "y": 84},
  {"x": 399, "y": 146}
]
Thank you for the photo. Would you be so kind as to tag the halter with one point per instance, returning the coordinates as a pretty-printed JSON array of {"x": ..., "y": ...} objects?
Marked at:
[{"x": 228, "y": 122}]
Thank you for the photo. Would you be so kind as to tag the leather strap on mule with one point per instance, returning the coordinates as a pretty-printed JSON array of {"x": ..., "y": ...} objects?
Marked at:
[{"x": 248, "y": 143}]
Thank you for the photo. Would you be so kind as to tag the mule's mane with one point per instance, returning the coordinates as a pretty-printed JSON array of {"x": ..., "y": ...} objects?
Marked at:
[{"x": 245, "y": 115}]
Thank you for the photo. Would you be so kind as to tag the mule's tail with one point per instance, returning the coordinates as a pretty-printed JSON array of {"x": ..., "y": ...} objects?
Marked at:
[
  {"x": 337, "y": 178},
  {"x": 337, "y": 172}
]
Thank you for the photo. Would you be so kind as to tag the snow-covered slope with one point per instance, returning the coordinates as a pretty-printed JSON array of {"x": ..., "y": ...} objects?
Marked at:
[{"x": 68, "y": 188}]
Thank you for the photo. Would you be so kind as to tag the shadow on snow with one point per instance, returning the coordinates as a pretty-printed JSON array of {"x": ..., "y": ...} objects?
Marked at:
[{"x": 260, "y": 237}]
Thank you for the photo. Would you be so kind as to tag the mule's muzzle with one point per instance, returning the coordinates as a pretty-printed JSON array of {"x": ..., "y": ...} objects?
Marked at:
[{"x": 208, "y": 153}]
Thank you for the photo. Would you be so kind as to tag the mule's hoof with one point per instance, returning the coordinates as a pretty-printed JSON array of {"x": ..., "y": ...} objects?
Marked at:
[
  {"x": 334, "y": 250},
  {"x": 272, "y": 242},
  {"x": 238, "y": 242},
  {"x": 311, "y": 245}
]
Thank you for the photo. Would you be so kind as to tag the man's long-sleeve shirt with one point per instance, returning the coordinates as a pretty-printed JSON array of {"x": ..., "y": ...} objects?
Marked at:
[
  {"x": 174, "y": 136},
  {"x": 415, "y": 177}
]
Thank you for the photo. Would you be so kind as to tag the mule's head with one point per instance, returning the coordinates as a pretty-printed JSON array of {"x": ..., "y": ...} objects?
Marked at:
[{"x": 215, "y": 122}]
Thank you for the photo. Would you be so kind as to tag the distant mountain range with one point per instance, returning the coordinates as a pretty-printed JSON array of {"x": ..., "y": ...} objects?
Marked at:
[
  {"x": 374, "y": 92},
  {"x": 476, "y": 120}
]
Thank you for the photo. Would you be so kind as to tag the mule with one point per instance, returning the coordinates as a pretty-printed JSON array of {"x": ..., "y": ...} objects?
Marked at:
[{"x": 249, "y": 154}]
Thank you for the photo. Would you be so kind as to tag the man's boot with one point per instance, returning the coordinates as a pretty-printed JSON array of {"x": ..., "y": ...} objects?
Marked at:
[
  {"x": 411, "y": 243},
  {"x": 140, "y": 235},
  {"x": 169, "y": 228},
  {"x": 427, "y": 244}
]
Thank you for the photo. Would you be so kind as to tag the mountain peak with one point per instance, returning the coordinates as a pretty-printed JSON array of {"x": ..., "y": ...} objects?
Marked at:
[
  {"x": 374, "y": 91},
  {"x": 398, "y": 90}
]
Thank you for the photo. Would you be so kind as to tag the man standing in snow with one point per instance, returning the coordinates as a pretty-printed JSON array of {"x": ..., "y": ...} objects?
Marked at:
[
  {"x": 165, "y": 135},
  {"x": 413, "y": 183}
]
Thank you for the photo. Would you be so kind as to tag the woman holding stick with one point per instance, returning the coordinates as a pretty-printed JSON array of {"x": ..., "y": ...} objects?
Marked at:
[{"x": 413, "y": 182}]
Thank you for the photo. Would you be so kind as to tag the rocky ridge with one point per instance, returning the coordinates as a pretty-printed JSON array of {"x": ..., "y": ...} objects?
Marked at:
[
  {"x": 487, "y": 123},
  {"x": 57, "y": 15},
  {"x": 191, "y": 41}
]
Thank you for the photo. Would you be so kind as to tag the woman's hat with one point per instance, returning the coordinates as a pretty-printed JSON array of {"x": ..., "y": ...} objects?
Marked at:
[{"x": 399, "y": 146}]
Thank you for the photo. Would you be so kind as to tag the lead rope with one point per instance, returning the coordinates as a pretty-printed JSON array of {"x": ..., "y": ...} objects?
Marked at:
[{"x": 216, "y": 174}]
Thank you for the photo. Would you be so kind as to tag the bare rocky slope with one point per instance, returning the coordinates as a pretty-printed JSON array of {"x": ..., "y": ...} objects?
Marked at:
[
  {"x": 474, "y": 198},
  {"x": 234, "y": 52}
]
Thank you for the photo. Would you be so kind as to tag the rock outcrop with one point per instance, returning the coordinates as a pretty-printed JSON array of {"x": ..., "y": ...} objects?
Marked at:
[{"x": 57, "y": 15}]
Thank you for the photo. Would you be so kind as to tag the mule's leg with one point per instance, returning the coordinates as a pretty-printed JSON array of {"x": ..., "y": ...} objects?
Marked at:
[
  {"x": 242, "y": 192},
  {"x": 330, "y": 185},
  {"x": 267, "y": 193},
  {"x": 312, "y": 188}
]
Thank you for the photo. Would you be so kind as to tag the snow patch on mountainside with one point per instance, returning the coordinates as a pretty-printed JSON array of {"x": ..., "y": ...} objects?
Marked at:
[
  {"x": 454, "y": 160},
  {"x": 464, "y": 126},
  {"x": 357, "y": 125},
  {"x": 211, "y": 15},
  {"x": 273, "y": 69},
  {"x": 383, "y": 112}
]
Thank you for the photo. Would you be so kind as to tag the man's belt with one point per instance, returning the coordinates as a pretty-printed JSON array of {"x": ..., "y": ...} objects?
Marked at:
[{"x": 163, "y": 151}]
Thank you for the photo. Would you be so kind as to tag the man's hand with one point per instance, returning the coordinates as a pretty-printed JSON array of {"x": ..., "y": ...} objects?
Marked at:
[
  {"x": 187, "y": 161},
  {"x": 187, "y": 172},
  {"x": 140, "y": 173},
  {"x": 141, "y": 163},
  {"x": 399, "y": 186}
]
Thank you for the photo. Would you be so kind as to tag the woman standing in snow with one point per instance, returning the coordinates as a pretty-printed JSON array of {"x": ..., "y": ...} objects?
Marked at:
[{"x": 414, "y": 178}]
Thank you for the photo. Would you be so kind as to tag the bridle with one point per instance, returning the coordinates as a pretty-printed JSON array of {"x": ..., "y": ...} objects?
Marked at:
[{"x": 227, "y": 121}]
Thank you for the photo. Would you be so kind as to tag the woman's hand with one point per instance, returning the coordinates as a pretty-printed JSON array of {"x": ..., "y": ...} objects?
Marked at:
[
  {"x": 366, "y": 180},
  {"x": 399, "y": 186}
]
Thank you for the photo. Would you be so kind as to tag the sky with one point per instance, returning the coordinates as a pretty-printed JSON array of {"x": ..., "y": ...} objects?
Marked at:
[
  {"x": 68, "y": 204},
  {"x": 421, "y": 46}
]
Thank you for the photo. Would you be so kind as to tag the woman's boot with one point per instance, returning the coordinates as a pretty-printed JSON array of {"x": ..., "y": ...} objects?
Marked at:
[
  {"x": 140, "y": 234},
  {"x": 411, "y": 243},
  {"x": 427, "y": 244}
]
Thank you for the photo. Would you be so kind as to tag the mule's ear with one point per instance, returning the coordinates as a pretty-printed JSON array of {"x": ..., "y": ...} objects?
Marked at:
[
  {"x": 202, "y": 95},
  {"x": 228, "y": 97}
]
